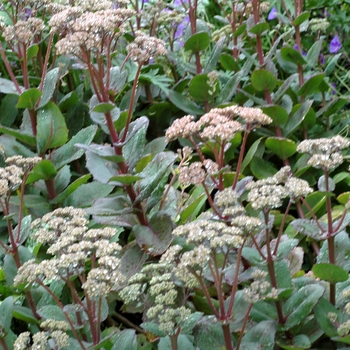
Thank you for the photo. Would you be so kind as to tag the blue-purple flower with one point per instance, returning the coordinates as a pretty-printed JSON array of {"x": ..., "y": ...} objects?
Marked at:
[
  {"x": 335, "y": 45},
  {"x": 296, "y": 47},
  {"x": 273, "y": 14},
  {"x": 180, "y": 30}
]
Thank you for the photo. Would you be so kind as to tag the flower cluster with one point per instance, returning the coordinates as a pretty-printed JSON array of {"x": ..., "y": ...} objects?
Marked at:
[
  {"x": 325, "y": 152},
  {"x": 12, "y": 175},
  {"x": 72, "y": 244},
  {"x": 260, "y": 288},
  {"x": 145, "y": 47},
  {"x": 24, "y": 31},
  {"x": 159, "y": 291},
  {"x": 86, "y": 31},
  {"x": 218, "y": 123}
]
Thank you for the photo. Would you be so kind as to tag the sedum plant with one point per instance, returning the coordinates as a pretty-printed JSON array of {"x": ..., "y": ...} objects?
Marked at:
[{"x": 172, "y": 175}]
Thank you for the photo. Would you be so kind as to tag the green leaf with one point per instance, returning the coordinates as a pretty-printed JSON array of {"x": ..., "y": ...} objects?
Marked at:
[
  {"x": 49, "y": 87},
  {"x": 310, "y": 228},
  {"x": 53, "y": 312},
  {"x": 229, "y": 63},
  {"x": 313, "y": 54},
  {"x": 133, "y": 260},
  {"x": 240, "y": 30},
  {"x": 300, "y": 304},
  {"x": 25, "y": 314},
  {"x": 200, "y": 90},
  {"x": 197, "y": 42},
  {"x": 104, "y": 107},
  {"x": 133, "y": 149},
  {"x": 264, "y": 311},
  {"x": 20, "y": 136},
  {"x": 277, "y": 113},
  {"x": 153, "y": 173},
  {"x": 86, "y": 194},
  {"x": 69, "y": 152},
  {"x": 341, "y": 251},
  {"x": 44, "y": 170},
  {"x": 251, "y": 153},
  {"x": 24, "y": 230},
  {"x": 153, "y": 328},
  {"x": 229, "y": 89},
  {"x": 293, "y": 56},
  {"x": 8, "y": 87},
  {"x": 52, "y": 130},
  {"x": 332, "y": 63},
  {"x": 261, "y": 168},
  {"x": 183, "y": 103},
  {"x": 261, "y": 336},
  {"x": 330, "y": 273},
  {"x": 6, "y": 308},
  {"x": 282, "y": 272},
  {"x": 183, "y": 342},
  {"x": 304, "y": 16},
  {"x": 296, "y": 119},
  {"x": 321, "y": 311},
  {"x": 315, "y": 200},
  {"x": 280, "y": 93},
  {"x": 311, "y": 85},
  {"x": 208, "y": 335},
  {"x": 160, "y": 80},
  {"x": 298, "y": 342},
  {"x": 113, "y": 211},
  {"x": 101, "y": 169},
  {"x": 259, "y": 28},
  {"x": 263, "y": 80},
  {"x": 193, "y": 205},
  {"x": 282, "y": 147},
  {"x": 8, "y": 110},
  {"x": 28, "y": 98},
  {"x": 157, "y": 237},
  {"x": 253, "y": 256},
  {"x": 70, "y": 189},
  {"x": 215, "y": 55},
  {"x": 32, "y": 51},
  {"x": 126, "y": 179}
]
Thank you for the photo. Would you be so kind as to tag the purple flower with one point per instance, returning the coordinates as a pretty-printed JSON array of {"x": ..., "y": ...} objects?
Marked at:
[
  {"x": 181, "y": 29},
  {"x": 335, "y": 45},
  {"x": 296, "y": 47},
  {"x": 321, "y": 58},
  {"x": 273, "y": 14},
  {"x": 333, "y": 89}
]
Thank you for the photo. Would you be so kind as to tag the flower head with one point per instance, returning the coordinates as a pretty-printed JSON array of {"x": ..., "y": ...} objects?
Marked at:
[
  {"x": 273, "y": 14},
  {"x": 335, "y": 45}
]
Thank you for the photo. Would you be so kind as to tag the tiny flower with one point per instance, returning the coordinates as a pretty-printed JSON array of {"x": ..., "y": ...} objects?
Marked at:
[
  {"x": 335, "y": 45},
  {"x": 273, "y": 14},
  {"x": 296, "y": 47}
]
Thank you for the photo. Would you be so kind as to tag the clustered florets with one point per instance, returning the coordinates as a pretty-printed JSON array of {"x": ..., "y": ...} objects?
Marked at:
[
  {"x": 325, "y": 152},
  {"x": 72, "y": 244},
  {"x": 145, "y": 47},
  {"x": 218, "y": 123}
]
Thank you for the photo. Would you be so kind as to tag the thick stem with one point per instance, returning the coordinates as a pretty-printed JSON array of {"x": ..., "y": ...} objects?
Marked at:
[
  {"x": 173, "y": 340},
  {"x": 330, "y": 239},
  {"x": 58, "y": 302},
  {"x": 271, "y": 270},
  {"x": 9, "y": 70},
  {"x": 240, "y": 159},
  {"x": 132, "y": 100},
  {"x": 227, "y": 336},
  {"x": 241, "y": 333}
]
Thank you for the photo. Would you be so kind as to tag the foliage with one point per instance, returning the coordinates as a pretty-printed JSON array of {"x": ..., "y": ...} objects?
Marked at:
[{"x": 172, "y": 175}]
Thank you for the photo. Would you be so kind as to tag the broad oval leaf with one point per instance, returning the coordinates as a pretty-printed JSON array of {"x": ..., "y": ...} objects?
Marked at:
[
  {"x": 300, "y": 304},
  {"x": 282, "y": 147},
  {"x": 293, "y": 56},
  {"x": 330, "y": 273},
  {"x": 28, "y": 98},
  {"x": 263, "y": 80},
  {"x": 311, "y": 85},
  {"x": 52, "y": 130},
  {"x": 197, "y": 42}
]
